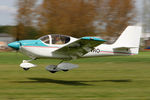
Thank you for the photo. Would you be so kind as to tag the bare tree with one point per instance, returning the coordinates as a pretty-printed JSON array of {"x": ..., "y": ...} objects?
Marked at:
[
  {"x": 114, "y": 16},
  {"x": 71, "y": 17},
  {"x": 24, "y": 17},
  {"x": 77, "y": 17}
]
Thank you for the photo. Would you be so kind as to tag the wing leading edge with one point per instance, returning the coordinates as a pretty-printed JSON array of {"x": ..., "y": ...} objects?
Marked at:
[{"x": 80, "y": 47}]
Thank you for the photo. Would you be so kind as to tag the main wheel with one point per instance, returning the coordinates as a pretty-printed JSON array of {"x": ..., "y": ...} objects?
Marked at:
[
  {"x": 52, "y": 68},
  {"x": 53, "y": 71},
  {"x": 26, "y": 69},
  {"x": 65, "y": 70}
]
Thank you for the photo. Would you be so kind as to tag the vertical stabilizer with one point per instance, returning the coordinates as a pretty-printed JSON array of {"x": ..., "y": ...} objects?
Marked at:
[{"x": 130, "y": 38}]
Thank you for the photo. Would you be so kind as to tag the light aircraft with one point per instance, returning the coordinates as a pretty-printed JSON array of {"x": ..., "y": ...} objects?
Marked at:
[{"x": 68, "y": 48}]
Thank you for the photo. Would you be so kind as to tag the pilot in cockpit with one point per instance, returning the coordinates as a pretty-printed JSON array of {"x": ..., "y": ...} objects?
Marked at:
[{"x": 58, "y": 40}]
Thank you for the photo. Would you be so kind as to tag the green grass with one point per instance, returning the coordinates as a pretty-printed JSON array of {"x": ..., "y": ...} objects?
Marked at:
[{"x": 101, "y": 78}]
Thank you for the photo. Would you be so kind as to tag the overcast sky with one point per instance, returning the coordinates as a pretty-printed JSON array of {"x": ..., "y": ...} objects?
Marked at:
[{"x": 8, "y": 11}]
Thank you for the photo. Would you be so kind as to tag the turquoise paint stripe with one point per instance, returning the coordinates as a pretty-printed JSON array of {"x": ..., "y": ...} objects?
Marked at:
[
  {"x": 43, "y": 46},
  {"x": 32, "y": 43},
  {"x": 93, "y": 38}
]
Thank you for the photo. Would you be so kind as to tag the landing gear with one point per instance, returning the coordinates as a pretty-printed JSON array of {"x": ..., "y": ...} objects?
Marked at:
[
  {"x": 61, "y": 67},
  {"x": 26, "y": 69},
  {"x": 53, "y": 71},
  {"x": 52, "y": 68},
  {"x": 26, "y": 65},
  {"x": 65, "y": 70}
]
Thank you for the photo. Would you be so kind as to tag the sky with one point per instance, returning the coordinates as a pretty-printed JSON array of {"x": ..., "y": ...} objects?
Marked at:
[{"x": 8, "y": 11}]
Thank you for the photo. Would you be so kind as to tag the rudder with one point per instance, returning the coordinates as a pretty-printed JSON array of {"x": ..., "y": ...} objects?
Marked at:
[{"x": 130, "y": 38}]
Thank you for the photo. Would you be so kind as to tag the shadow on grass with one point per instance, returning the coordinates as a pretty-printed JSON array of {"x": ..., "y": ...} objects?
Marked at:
[
  {"x": 64, "y": 82},
  {"x": 119, "y": 81}
]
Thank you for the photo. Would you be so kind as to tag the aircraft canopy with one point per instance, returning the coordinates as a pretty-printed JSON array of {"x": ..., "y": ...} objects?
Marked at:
[{"x": 55, "y": 39}]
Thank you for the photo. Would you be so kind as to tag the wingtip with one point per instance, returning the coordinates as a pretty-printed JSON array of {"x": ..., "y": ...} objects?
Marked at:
[{"x": 93, "y": 38}]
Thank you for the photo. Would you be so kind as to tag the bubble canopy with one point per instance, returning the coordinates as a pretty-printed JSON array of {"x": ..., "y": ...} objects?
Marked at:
[{"x": 55, "y": 39}]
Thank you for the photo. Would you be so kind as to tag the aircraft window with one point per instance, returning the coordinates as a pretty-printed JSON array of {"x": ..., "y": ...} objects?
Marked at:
[
  {"x": 60, "y": 39},
  {"x": 45, "y": 39}
]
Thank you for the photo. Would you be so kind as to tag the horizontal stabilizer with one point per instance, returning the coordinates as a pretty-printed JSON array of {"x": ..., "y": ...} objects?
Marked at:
[{"x": 124, "y": 47}]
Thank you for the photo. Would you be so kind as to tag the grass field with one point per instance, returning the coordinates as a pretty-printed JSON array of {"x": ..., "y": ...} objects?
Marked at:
[{"x": 102, "y": 78}]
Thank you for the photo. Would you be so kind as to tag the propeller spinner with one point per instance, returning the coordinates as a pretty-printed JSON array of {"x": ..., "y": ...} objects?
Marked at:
[{"x": 15, "y": 45}]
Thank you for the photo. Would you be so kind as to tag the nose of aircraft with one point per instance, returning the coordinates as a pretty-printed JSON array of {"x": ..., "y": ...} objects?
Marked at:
[{"x": 14, "y": 45}]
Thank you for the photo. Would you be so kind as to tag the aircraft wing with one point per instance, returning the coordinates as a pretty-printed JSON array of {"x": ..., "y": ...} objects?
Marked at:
[{"x": 80, "y": 47}]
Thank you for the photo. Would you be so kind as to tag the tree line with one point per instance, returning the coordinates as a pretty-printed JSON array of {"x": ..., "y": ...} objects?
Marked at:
[{"x": 76, "y": 18}]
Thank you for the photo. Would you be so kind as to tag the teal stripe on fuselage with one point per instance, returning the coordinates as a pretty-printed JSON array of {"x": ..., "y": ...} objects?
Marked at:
[{"x": 32, "y": 43}]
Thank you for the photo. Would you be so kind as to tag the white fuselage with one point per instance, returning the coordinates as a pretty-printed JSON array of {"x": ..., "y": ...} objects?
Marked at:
[{"x": 46, "y": 52}]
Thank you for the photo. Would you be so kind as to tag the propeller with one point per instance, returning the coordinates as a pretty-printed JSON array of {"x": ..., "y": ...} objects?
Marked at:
[
  {"x": 18, "y": 38},
  {"x": 15, "y": 45}
]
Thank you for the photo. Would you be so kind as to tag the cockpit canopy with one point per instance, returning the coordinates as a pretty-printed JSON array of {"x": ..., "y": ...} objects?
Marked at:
[
  {"x": 45, "y": 39},
  {"x": 55, "y": 39}
]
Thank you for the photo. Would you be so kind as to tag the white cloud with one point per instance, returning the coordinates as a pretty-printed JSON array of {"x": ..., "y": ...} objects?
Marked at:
[{"x": 7, "y": 9}]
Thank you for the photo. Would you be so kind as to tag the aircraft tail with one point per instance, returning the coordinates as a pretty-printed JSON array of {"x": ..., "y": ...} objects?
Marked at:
[{"x": 129, "y": 40}]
